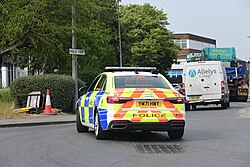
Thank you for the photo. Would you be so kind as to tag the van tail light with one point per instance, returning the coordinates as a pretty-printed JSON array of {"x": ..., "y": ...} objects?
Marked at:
[
  {"x": 175, "y": 100},
  {"x": 113, "y": 99},
  {"x": 222, "y": 87},
  {"x": 183, "y": 88},
  {"x": 244, "y": 90}
]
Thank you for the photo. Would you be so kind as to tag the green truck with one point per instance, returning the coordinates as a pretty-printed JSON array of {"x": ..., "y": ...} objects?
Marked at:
[
  {"x": 220, "y": 54},
  {"x": 238, "y": 88}
]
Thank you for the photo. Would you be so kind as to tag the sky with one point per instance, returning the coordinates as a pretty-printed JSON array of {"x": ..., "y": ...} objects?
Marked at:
[{"x": 226, "y": 21}]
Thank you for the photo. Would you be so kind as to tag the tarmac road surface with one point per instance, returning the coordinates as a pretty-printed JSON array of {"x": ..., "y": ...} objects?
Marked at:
[{"x": 213, "y": 137}]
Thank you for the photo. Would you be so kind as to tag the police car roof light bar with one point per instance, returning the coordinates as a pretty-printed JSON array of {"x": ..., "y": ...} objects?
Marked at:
[{"x": 144, "y": 69}]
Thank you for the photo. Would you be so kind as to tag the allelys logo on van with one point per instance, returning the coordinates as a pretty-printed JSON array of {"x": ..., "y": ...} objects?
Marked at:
[
  {"x": 192, "y": 73},
  {"x": 206, "y": 72},
  {"x": 201, "y": 72}
]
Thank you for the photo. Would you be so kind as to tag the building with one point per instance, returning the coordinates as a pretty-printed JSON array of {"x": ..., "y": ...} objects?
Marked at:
[
  {"x": 190, "y": 43},
  {"x": 9, "y": 72}
]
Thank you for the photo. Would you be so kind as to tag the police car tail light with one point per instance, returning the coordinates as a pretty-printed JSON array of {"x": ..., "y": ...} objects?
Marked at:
[
  {"x": 113, "y": 99},
  {"x": 222, "y": 86},
  {"x": 175, "y": 100}
]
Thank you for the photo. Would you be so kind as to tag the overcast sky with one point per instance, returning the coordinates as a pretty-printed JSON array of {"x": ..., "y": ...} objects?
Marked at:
[{"x": 226, "y": 21}]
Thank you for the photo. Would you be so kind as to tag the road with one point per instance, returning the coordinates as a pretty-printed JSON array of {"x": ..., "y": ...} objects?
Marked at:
[{"x": 213, "y": 138}]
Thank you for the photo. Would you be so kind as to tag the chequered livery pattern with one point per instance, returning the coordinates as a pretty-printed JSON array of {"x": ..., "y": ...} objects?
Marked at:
[{"x": 130, "y": 110}]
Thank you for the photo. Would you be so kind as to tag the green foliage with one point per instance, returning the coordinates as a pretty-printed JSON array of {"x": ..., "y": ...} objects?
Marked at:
[
  {"x": 147, "y": 40},
  {"x": 37, "y": 34},
  {"x": 62, "y": 89},
  {"x": 33, "y": 33},
  {"x": 5, "y": 95},
  {"x": 88, "y": 76}
]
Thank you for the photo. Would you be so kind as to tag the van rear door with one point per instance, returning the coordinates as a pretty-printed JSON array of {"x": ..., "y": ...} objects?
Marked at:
[
  {"x": 211, "y": 77},
  {"x": 202, "y": 81},
  {"x": 193, "y": 88}
]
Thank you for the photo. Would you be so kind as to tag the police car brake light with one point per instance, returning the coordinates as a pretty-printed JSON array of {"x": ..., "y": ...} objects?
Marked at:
[
  {"x": 113, "y": 99},
  {"x": 175, "y": 100}
]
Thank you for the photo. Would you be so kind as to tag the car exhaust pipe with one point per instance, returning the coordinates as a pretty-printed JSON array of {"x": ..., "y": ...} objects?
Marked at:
[{"x": 118, "y": 126}]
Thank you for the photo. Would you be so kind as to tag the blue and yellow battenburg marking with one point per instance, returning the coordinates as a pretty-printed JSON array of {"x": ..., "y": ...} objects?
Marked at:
[{"x": 87, "y": 105}]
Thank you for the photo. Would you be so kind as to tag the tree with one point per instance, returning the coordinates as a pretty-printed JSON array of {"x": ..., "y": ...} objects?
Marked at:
[
  {"x": 38, "y": 33},
  {"x": 146, "y": 39},
  {"x": 32, "y": 31}
]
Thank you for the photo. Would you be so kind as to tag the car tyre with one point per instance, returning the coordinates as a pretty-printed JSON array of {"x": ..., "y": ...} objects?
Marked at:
[
  {"x": 79, "y": 127},
  {"x": 99, "y": 132},
  {"x": 187, "y": 107},
  {"x": 176, "y": 134},
  {"x": 224, "y": 105},
  {"x": 193, "y": 106}
]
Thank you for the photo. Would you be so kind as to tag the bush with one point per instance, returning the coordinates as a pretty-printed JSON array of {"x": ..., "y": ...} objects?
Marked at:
[
  {"x": 62, "y": 89},
  {"x": 5, "y": 95},
  {"x": 88, "y": 75}
]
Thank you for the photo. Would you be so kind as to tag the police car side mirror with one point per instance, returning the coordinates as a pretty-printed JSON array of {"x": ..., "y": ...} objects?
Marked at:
[{"x": 82, "y": 90}]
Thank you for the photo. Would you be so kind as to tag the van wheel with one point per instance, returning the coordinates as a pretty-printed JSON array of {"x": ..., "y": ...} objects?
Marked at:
[
  {"x": 193, "y": 106},
  {"x": 176, "y": 134},
  {"x": 187, "y": 107},
  {"x": 224, "y": 105},
  {"x": 79, "y": 127}
]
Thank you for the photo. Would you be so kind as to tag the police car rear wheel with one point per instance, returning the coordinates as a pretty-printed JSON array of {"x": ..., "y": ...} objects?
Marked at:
[
  {"x": 79, "y": 127},
  {"x": 176, "y": 134},
  {"x": 99, "y": 133}
]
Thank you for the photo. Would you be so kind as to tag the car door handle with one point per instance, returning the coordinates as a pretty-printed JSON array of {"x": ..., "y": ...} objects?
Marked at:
[{"x": 206, "y": 87}]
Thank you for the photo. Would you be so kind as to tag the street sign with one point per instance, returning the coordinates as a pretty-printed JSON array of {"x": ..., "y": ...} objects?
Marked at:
[{"x": 76, "y": 52}]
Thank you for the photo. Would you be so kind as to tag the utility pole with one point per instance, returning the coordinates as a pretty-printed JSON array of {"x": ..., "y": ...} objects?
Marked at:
[
  {"x": 74, "y": 56},
  {"x": 248, "y": 64},
  {"x": 119, "y": 32}
]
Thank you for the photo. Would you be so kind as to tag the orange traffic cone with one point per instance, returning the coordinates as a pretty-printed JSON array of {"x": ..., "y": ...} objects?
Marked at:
[{"x": 48, "y": 108}]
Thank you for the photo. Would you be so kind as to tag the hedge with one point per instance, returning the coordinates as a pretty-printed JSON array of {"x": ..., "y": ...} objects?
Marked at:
[
  {"x": 5, "y": 95},
  {"x": 62, "y": 89}
]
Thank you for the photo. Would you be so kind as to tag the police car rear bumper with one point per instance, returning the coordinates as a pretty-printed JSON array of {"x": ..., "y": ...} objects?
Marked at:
[{"x": 146, "y": 126}]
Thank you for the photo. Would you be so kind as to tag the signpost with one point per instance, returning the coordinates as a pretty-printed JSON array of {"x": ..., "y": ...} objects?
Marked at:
[{"x": 76, "y": 52}]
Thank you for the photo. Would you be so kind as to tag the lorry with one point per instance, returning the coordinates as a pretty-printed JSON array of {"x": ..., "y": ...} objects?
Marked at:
[{"x": 238, "y": 88}]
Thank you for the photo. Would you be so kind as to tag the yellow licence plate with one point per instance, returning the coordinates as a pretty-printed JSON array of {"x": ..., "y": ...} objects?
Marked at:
[
  {"x": 194, "y": 97},
  {"x": 148, "y": 103},
  {"x": 242, "y": 93}
]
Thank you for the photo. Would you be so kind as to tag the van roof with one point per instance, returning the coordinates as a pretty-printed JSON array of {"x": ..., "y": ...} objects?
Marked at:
[{"x": 204, "y": 62}]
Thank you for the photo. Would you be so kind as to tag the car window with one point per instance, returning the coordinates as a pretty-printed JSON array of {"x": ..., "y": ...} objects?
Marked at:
[
  {"x": 93, "y": 84},
  {"x": 136, "y": 81},
  {"x": 101, "y": 83}
]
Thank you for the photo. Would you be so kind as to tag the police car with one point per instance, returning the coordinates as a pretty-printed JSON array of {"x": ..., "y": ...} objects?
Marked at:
[{"x": 131, "y": 99}]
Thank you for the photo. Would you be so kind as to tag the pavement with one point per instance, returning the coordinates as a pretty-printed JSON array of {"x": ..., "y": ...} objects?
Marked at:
[{"x": 38, "y": 120}]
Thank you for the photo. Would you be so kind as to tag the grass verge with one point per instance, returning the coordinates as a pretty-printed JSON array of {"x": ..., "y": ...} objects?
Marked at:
[
  {"x": 6, "y": 111},
  {"x": 7, "y": 106}
]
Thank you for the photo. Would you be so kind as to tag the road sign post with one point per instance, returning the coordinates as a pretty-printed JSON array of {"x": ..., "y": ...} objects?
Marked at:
[{"x": 76, "y": 52}]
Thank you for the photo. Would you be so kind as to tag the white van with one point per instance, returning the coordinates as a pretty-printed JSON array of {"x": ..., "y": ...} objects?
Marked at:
[{"x": 205, "y": 82}]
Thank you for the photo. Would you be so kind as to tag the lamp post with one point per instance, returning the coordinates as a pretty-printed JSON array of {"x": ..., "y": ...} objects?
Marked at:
[
  {"x": 119, "y": 33},
  {"x": 74, "y": 56},
  {"x": 248, "y": 64}
]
